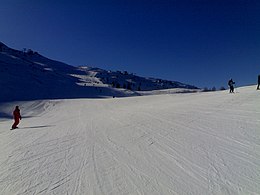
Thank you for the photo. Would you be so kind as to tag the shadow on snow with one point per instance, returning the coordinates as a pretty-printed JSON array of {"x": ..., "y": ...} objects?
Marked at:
[{"x": 34, "y": 127}]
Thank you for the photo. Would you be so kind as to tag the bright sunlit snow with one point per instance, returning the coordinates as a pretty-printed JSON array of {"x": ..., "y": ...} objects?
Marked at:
[{"x": 199, "y": 143}]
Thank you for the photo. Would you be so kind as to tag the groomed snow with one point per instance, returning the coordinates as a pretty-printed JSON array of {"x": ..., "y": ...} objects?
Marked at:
[{"x": 199, "y": 143}]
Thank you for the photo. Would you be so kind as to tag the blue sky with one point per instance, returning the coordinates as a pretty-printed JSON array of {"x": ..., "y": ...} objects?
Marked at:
[{"x": 199, "y": 42}]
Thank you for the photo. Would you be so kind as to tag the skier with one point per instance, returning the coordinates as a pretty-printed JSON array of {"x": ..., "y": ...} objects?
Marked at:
[
  {"x": 258, "y": 82},
  {"x": 231, "y": 86},
  {"x": 17, "y": 117}
]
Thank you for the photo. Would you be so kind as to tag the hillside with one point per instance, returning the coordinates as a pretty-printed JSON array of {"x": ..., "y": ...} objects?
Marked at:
[
  {"x": 200, "y": 143},
  {"x": 123, "y": 79},
  {"x": 27, "y": 75}
]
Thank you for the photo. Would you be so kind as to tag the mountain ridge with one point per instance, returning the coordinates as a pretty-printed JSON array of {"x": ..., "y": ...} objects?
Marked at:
[{"x": 27, "y": 75}]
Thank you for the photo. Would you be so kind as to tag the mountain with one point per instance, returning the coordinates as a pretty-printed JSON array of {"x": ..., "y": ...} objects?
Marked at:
[
  {"x": 123, "y": 79},
  {"x": 27, "y": 75}
]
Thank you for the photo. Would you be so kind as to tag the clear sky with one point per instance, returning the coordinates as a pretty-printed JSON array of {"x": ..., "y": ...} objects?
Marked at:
[{"x": 199, "y": 42}]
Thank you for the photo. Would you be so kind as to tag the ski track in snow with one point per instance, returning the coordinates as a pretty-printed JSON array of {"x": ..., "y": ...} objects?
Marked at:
[{"x": 204, "y": 143}]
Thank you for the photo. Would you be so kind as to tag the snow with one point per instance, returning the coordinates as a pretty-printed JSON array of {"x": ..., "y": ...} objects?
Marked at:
[
  {"x": 31, "y": 76},
  {"x": 185, "y": 143},
  {"x": 34, "y": 77}
]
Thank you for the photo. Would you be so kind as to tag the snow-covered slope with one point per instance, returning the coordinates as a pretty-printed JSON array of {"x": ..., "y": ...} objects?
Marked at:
[
  {"x": 27, "y": 75},
  {"x": 199, "y": 143},
  {"x": 123, "y": 79},
  {"x": 30, "y": 76}
]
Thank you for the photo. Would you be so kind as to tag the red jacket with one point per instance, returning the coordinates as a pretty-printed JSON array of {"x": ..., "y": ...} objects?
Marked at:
[{"x": 17, "y": 114}]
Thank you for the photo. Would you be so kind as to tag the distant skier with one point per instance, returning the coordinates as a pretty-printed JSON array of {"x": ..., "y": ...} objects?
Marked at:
[
  {"x": 17, "y": 117},
  {"x": 231, "y": 86},
  {"x": 258, "y": 82}
]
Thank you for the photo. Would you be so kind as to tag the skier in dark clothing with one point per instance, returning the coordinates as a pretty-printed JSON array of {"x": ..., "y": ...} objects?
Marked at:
[
  {"x": 258, "y": 82},
  {"x": 231, "y": 86},
  {"x": 17, "y": 117}
]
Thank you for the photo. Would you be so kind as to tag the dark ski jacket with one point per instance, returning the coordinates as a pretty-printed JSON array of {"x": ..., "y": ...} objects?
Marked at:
[{"x": 231, "y": 82}]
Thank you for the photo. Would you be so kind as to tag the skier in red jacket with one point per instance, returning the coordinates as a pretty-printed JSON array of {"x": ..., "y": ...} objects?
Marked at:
[{"x": 17, "y": 117}]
